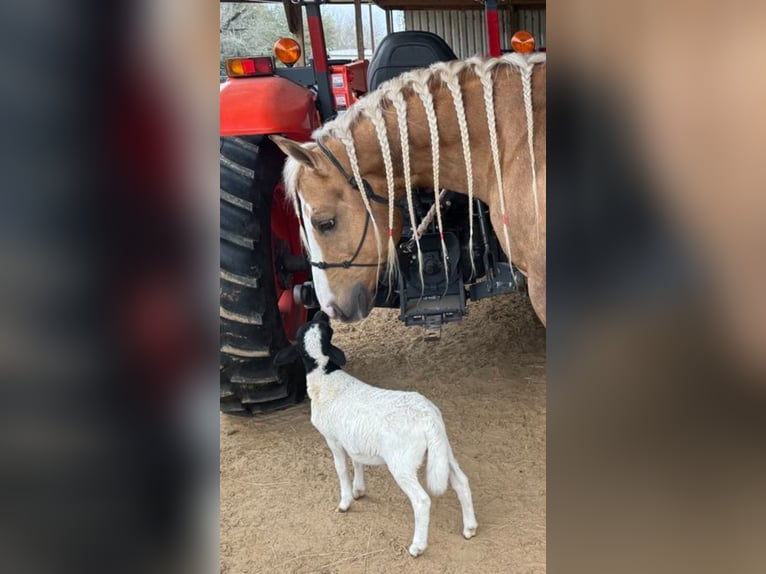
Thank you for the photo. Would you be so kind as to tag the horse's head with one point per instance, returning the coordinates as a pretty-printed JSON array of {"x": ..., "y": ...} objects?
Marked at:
[{"x": 337, "y": 230}]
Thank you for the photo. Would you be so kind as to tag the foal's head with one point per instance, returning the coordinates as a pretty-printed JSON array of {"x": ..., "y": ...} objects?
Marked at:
[
  {"x": 341, "y": 241},
  {"x": 314, "y": 347}
]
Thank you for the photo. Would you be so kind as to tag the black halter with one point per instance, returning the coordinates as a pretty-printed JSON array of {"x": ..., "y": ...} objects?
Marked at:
[
  {"x": 370, "y": 195},
  {"x": 350, "y": 178}
]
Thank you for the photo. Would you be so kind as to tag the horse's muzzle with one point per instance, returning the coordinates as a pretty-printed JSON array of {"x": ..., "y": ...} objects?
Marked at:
[{"x": 357, "y": 307}]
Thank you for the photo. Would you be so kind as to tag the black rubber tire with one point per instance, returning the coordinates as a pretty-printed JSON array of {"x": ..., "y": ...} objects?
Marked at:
[{"x": 251, "y": 327}]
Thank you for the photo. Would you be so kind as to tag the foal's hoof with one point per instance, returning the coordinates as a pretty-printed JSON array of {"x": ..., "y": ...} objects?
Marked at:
[
  {"x": 470, "y": 531},
  {"x": 416, "y": 550},
  {"x": 343, "y": 507},
  {"x": 359, "y": 493}
]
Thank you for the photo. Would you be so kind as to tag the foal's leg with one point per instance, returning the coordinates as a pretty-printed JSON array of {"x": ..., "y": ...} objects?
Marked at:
[
  {"x": 339, "y": 455},
  {"x": 359, "y": 488},
  {"x": 407, "y": 479},
  {"x": 459, "y": 482}
]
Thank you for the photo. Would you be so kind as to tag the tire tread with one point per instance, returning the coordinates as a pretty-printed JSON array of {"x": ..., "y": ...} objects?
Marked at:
[{"x": 251, "y": 327}]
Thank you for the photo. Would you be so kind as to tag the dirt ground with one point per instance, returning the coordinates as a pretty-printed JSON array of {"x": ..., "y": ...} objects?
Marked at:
[{"x": 279, "y": 489}]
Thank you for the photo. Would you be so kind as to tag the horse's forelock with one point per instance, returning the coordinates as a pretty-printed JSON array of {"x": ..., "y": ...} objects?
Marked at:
[{"x": 290, "y": 174}]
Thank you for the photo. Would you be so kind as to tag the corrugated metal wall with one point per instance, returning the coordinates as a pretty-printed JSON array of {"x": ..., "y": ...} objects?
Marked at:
[
  {"x": 465, "y": 30},
  {"x": 533, "y": 21}
]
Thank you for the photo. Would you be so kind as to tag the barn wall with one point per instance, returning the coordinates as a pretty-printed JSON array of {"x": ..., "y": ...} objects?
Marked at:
[
  {"x": 465, "y": 30},
  {"x": 532, "y": 20}
]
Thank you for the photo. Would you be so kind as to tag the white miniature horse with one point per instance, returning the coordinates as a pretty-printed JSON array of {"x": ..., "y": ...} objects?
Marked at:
[{"x": 378, "y": 426}]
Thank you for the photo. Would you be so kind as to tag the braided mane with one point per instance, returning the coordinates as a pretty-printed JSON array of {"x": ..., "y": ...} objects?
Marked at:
[{"x": 390, "y": 94}]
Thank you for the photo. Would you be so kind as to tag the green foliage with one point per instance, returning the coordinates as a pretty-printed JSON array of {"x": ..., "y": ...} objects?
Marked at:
[{"x": 250, "y": 29}]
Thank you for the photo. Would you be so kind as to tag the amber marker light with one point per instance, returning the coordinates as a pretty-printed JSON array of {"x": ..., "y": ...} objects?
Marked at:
[
  {"x": 287, "y": 51},
  {"x": 523, "y": 42},
  {"x": 246, "y": 67}
]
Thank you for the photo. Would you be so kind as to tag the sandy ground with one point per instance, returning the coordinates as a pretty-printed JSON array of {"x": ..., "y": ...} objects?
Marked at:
[{"x": 279, "y": 489}]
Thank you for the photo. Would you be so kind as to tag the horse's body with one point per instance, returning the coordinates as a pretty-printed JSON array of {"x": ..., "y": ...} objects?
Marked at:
[{"x": 334, "y": 212}]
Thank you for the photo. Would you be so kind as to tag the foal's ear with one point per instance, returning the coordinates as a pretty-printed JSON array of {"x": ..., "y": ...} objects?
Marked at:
[
  {"x": 296, "y": 151},
  {"x": 337, "y": 356},
  {"x": 321, "y": 317},
  {"x": 286, "y": 356}
]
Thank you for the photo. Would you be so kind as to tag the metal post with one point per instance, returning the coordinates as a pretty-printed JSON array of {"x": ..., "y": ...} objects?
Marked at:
[
  {"x": 300, "y": 36},
  {"x": 493, "y": 28},
  {"x": 389, "y": 22},
  {"x": 319, "y": 51},
  {"x": 359, "y": 29},
  {"x": 372, "y": 30}
]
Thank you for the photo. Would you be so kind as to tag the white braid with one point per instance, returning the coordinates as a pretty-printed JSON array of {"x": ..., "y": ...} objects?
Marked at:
[
  {"x": 348, "y": 141},
  {"x": 453, "y": 85},
  {"x": 422, "y": 89},
  {"x": 346, "y": 121},
  {"x": 418, "y": 80},
  {"x": 485, "y": 76},
  {"x": 377, "y": 119},
  {"x": 526, "y": 64},
  {"x": 526, "y": 82},
  {"x": 400, "y": 105}
]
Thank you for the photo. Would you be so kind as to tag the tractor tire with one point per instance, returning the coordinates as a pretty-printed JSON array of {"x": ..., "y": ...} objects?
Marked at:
[{"x": 252, "y": 331}]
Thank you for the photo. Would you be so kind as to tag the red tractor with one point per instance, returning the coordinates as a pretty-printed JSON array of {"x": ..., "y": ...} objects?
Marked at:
[{"x": 265, "y": 288}]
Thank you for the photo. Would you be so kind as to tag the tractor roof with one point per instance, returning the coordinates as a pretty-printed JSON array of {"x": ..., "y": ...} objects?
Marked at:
[
  {"x": 413, "y": 4},
  {"x": 449, "y": 4}
]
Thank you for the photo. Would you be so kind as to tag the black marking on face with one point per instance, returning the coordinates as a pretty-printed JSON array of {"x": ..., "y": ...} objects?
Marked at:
[{"x": 336, "y": 357}]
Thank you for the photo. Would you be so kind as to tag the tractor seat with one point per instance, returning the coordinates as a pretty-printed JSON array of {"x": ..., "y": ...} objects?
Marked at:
[{"x": 403, "y": 51}]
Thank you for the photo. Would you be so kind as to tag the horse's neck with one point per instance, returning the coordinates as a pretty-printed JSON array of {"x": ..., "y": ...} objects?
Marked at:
[
  {"x": 451, "y": 168},
  {"x": 451, "y": 115}
]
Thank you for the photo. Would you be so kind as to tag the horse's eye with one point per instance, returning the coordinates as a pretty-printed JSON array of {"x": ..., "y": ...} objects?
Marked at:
[{"x": 325, "y": 226}]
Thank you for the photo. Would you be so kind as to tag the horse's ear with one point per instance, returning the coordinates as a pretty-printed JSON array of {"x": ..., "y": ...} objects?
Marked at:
[
  {"x": 286, "y": 356},
  {"x": 295, "y": 150}
]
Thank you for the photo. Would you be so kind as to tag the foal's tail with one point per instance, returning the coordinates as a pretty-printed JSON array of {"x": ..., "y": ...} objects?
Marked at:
[{"x": 437, "y": 468}]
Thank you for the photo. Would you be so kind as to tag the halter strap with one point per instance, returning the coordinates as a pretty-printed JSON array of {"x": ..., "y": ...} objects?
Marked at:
[
  {"x": 368, "y": 192},
  {"x": 349, "y": 262},
  {"x": 350, "y": 178}
]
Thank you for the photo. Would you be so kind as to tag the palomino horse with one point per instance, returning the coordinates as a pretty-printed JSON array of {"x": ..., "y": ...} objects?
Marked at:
[{"x": 475, "y": 126}]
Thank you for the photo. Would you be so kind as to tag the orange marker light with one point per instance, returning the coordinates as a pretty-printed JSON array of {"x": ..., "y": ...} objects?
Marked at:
[
  {"x": 235, "y": 67},
  {"x": 244, "y": 67},
  {"x": 523, "y": 42},
  {"x": 287, "y": 51}
]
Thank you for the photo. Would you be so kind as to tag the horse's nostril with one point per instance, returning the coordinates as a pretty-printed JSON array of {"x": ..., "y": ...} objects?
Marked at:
[{"x": 361, "y": 301}]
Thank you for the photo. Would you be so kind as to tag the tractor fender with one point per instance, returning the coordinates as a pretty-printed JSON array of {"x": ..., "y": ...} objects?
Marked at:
[{"x": 267, "y": 105}]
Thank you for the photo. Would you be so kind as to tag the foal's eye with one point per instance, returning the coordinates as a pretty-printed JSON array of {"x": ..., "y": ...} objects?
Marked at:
[{"x": 325, "y": 226}]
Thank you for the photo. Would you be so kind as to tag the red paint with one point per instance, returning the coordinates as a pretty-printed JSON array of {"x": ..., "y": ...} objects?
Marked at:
[
  {"x": 390, "y": 232},
  {"x": 505, "y": 219},
  {"x": 286, "y": 227},
  {"x": 317, "y": 44},
  {"x": 348, "y": 81},
  {"x": 493, "y": 33},
  {"x": 268, "y": 105}
]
